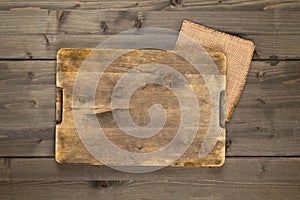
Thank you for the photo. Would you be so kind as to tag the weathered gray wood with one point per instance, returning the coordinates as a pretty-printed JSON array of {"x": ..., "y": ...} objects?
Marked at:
[
  {"x": 90, "y": 4},
  {"x": 46, "y": 46},
  {"x": 193, "y": 5},
  {"x": 25, "y": 73},
  {"x": 40, "y": 21},
  {"x": 239, "y": 171},
  {"x": 270, "y": 31},
  {"x": 181, "y": 189},
  {"x": 28, "y": 178},
  {"x": 265, "y": 122},
  {"x": 265, "y": 5},
  {"x": 27, "y": 112},
  {"x": 275, "y": 113}
]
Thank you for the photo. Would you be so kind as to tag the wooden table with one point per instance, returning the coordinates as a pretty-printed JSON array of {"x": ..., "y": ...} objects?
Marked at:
[{"x": 263, "y": 137}]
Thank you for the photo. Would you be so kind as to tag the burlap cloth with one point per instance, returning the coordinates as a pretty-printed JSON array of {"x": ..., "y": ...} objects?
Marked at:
[{"x": 238, "y": 53}]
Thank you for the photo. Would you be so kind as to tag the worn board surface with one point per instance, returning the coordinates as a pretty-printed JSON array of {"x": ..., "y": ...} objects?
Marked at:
[
  {"x": 69, "y": 146},
  {"x": 237, "y": 177},
  {"x": 262, "y": 138}
]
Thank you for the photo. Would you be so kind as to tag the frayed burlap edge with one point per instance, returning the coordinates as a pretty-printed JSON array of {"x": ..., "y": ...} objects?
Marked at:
[{"x": 219, "y": 41}]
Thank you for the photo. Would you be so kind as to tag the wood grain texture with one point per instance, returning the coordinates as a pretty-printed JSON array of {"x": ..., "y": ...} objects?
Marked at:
[
  {"x": 240, "y": 171},
  {"x": 265, "y": 5},
  {"x": 45, "y": 46},
  {"x": 265, "y": 121},
  {"x": 191, "y": 5},
  {"x": 27, "y": 108},
  {"x": 201, "y": 190},
  {"x": 41, "y": 21},
  {"x": 68, "y": 136},
  {"x": 39, "y": 33},
  {"x": 117, "y": 5},
  {"x": 272, "y": 117}
]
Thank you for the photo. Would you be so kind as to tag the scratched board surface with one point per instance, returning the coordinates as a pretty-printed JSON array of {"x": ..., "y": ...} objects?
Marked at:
[{"x": 69, "y": 145}]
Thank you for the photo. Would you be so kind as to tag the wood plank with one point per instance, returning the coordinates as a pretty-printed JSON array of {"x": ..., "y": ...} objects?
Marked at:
[
  {"x": 194, "y": 5},
  {"x": 270, "y": 99},
  {"x": 257, "y": 5},
  {"x": 271, "y": 86},
  {"x": 29, "y": 73},
  {"x": 41, "y": 21},
  {"x": 46, "y": 46},
  {"x": 275, "y": 46},
  {"x": 27, "y": 108},
  {"x": 148, "y": 190},
  {"x": 239, "y": 171},
  {"x": 120, "y": 5}
]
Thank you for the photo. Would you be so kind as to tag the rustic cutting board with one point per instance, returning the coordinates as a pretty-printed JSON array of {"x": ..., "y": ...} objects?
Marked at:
[{"x": 69, "y": 147}]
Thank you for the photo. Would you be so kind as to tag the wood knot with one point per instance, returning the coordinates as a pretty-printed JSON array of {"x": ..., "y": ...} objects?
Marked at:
[
  {"x": 33, "y": 103},
  {"x": 138, "y": 22},
  {"x": 77, "y": 5},
  {"x": 260, "y": 75},
  {"x": 99, "y": 184},
  {"x": 263, "y": 168},
  {"x": 176, "y": 2},
  {"x": 228, "y": 143},
  {"x": 40, "y": 140},
  {"x": 261, "y": 101},
  {"x": 104, "y": 184},
  {"x": 31, "y": 75},
  {"x": 103, "y": 26},
  {"x": 274, "y": 60},
  {"x": 139, "y": 147},
  {"x": 28, "y": 55}
]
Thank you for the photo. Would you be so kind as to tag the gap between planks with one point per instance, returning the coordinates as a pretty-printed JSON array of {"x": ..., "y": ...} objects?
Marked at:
[{"x": 271, "y": 99}]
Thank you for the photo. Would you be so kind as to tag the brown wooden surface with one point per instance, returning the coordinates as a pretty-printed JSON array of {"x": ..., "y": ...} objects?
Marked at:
[
  {"x": 45, "y": 46},
  {"x": 262, "y": 138},
  {"x": 268, "y": 178},
  {"x": 71, "y": 149}
]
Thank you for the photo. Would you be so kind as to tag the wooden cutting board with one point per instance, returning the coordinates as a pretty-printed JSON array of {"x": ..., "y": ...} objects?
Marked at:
[{"x": 69, "y": 147}]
